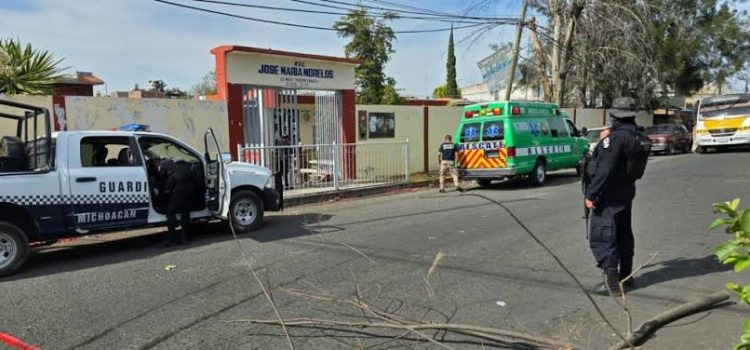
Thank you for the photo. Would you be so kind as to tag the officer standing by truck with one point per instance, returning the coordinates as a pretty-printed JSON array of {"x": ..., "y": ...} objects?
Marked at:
[
  {"x": 617, "y": 162},
  {"x": 178, "y": 194}
]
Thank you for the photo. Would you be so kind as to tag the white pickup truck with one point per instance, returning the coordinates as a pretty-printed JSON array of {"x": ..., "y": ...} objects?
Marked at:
[{"x": 68, "y": 184}]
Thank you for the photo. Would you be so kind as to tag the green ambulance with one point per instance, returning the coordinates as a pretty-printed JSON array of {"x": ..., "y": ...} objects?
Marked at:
[{"x": 504, "y": 139}]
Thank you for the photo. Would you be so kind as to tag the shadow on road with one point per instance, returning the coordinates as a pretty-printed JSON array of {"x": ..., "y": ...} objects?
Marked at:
[
  {"x": 116, "y": 248},
  {"x": 680, "y": 268},
  {"x": 519, "y": 184}
]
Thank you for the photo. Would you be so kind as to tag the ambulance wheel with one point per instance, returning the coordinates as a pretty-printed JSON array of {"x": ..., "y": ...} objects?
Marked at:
[
  {"x": 538, "y": 174},
  {"x": 14, "y": 248},
  {"x": 700, "y": 150},
  {"x": 246, "y": 211},
  {"x": 484, "y": 182}
]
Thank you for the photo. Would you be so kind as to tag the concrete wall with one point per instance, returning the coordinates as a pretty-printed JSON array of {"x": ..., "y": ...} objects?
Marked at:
[
  {"x": 409, "y": 126},
  {"x": 441, "y": 121},
  {"x": 186, "y": 120},
  {"x": 596, "y": 117},
  {"x": 8, "y": 127}
]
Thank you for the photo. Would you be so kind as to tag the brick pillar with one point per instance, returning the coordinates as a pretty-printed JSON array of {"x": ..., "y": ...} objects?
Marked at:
[
  {"x": 59, "y": 117},
  {"x": 235, "y": 118},
  {"x": 349, "y": 127}
]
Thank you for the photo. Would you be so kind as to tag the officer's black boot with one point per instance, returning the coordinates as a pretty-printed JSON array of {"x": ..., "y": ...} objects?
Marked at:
[
  {"x": 610, "y": 285},
  {"x": 626, "y": 268}
]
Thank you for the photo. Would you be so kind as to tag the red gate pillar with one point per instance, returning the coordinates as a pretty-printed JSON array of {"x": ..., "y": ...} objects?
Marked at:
[
  {"x": 349, "y": 127},
  {"x": 235, "y": 116}
]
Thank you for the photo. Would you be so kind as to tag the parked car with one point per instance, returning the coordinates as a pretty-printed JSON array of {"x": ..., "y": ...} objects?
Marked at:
[
  {"x": 593, "y": 135},
  {"x": 668, "y": 138}
]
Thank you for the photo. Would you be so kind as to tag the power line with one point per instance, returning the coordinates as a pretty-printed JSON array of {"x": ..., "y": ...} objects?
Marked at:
[
  {"x": 306, "y": 26},
  {"x": 288, "y": 9},
  {"x": 352, "y": 6}
]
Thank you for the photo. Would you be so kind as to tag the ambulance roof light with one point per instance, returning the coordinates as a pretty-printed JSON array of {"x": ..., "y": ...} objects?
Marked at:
[
  {"x": 468, "y": 114},
  {"x": 516, "y": 110}
]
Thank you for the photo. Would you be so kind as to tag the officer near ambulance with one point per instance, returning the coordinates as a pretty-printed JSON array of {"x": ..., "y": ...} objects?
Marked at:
[{"x": 617, "y": 162}]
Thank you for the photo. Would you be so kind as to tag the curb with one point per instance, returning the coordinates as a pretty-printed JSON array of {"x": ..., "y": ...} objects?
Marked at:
[{"x": 333, "y": 196}]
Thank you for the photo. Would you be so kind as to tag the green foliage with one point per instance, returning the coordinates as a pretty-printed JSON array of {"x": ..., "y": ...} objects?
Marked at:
[
  {"x": 157, "y": 85},
  {"x": 207, "y": 85},
  {"x": 442, "y": 91},
  {"x": 372, "y": 43},
  {"x": 735, "y": 251},
  {"x": 390, "y": 93},
  {"x": 25, "y": 70},
  {"x": 451, "y": 87}
]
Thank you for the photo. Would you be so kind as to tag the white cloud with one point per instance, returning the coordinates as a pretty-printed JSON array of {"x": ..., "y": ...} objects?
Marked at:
[{"x": 127, "y": 42}]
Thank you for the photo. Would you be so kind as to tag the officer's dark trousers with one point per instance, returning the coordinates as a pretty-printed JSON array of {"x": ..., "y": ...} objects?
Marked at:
[
  {"x": 178, "y": 205},
  {"x": 611, "y": 236}
]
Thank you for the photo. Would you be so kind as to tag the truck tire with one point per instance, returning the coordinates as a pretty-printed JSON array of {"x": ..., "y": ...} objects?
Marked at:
[
  {"x": 246, "y": 211},
  {"x": 538, "y": 174},
  {"x": 14, "y": 248}
]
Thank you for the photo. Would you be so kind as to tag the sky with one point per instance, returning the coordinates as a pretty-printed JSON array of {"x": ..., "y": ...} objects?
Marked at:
[{"x": 125, "y": 42}]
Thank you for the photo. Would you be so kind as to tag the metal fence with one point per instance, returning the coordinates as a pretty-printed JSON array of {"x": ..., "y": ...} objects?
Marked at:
[{"x": 333, "y": 166}]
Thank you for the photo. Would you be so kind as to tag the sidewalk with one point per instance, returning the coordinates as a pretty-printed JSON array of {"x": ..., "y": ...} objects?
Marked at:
[{"x": 315, "y": 195}]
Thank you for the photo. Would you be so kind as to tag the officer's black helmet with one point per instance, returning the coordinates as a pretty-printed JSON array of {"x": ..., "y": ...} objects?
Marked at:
[{"x": 623, "y": 107}]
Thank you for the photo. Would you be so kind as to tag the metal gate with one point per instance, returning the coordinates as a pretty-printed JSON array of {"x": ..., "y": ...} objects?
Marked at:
[{"x": 272, "y": 134}]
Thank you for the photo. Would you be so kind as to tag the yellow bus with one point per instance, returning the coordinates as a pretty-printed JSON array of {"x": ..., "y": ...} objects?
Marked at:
[{"x": 723, "y": 122}]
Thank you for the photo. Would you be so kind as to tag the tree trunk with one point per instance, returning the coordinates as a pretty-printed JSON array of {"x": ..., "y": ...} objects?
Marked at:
[
  {"x": 541, "y": 62},
  {"x": 556, "y": 11},
  {"x": 572, "y": 14}
]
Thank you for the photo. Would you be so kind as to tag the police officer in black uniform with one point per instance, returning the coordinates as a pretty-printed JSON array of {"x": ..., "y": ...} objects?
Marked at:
[
  {"x": 178, "y": 194},
  {"x": 610, "y": 195}
]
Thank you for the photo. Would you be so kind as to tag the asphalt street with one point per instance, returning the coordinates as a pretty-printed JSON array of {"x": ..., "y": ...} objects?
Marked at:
[{"x": 124, "y": 291}]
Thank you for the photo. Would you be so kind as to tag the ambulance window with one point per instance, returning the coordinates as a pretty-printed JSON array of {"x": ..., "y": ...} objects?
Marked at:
[
  {"x": 557, "y": 128},
  {"x": 573, "y": 129},
  {"x": 493, "y": 131},
  {"x": 470, "y": 132},
  {"x": 107, "y": 151}
]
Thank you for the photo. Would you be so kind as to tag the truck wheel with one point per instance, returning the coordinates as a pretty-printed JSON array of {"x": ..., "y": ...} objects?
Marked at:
[
  {"x": 246, "y": 211},
  {"x": 14, "y": 248},
  {"x": 484, "y": 182},
  {"x": 538, "y": 174}
]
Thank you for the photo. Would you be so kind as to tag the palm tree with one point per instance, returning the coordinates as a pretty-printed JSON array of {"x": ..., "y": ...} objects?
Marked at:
[{"x": 25, "y": 70}]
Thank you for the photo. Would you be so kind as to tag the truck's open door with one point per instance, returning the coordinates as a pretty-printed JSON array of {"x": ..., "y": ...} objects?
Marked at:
[{"x": 217, "y": 181}]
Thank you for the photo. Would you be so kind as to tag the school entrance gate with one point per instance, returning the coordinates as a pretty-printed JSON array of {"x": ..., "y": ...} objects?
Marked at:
[{"x": 295, "y": 114}]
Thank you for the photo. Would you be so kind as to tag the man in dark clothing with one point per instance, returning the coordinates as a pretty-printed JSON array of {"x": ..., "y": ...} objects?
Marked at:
[
  {"x": 177, "y": 191},
  {"x": 447, "y": 159},
  {"x": 610, "y": 195}
]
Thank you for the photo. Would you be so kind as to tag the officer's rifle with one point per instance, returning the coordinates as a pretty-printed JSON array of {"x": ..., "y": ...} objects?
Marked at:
[{"x": 585, "y": 179}]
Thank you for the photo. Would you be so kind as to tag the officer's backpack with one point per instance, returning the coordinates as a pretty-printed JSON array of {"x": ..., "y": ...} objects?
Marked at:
[{"x": 638, "y": 156}]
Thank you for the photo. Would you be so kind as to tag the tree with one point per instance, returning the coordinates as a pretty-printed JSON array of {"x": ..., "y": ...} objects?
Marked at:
[
  {"x": 25, "y": 70},
  {"x": 442, "y": 92},
  {"x": 157, "y": 85},
  {"x": 371, "y": 43},
  {"x": 207, "y": 85},
  {"x": 450, "y": 81},
  {"x": 390, "y": 93}
]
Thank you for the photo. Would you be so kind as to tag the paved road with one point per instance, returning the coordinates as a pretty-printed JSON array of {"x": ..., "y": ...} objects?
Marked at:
[{"x": 115, "y": 293}]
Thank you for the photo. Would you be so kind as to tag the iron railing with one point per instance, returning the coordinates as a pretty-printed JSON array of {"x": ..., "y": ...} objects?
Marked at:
[{"x": 333, "y": 166}]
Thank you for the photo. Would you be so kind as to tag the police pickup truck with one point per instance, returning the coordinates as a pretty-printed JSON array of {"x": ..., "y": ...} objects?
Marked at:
[{"x": 68, "y": 184}]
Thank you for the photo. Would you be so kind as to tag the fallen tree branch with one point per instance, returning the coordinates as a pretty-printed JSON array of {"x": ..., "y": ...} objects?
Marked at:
[
  {"x": 656, "y": 322},
  {"x": 414, "y": 327},
  {"x": 554, "y": 257},
  {"x": 262, "y": 286}
]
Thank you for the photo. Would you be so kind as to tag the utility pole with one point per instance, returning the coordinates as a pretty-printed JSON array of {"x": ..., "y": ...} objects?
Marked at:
[{"x": 516, "y": 48}]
